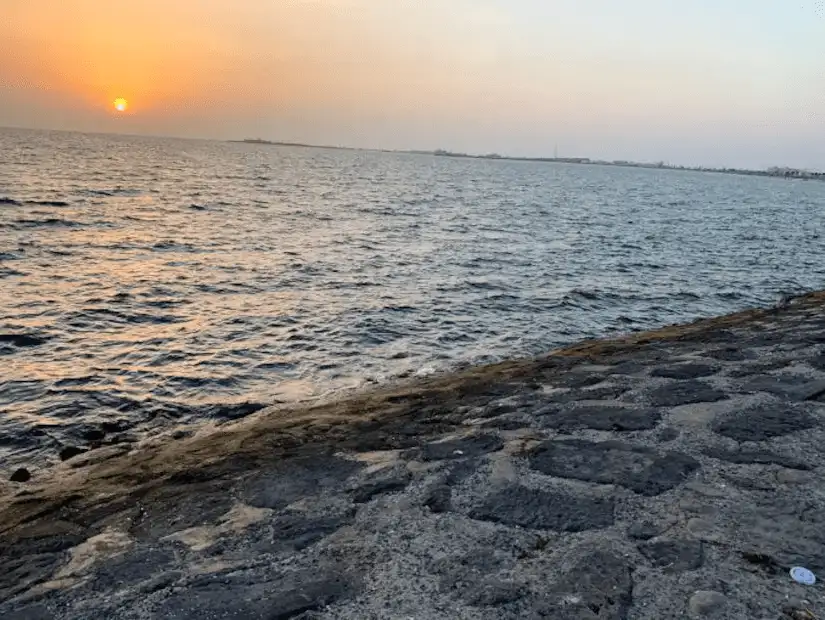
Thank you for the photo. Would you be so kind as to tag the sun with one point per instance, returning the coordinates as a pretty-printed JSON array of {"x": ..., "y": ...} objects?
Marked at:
[{"x": 121, "y": 105}]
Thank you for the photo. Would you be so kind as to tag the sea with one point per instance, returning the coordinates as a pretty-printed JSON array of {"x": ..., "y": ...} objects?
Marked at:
[{"x": 150, "y": 284}]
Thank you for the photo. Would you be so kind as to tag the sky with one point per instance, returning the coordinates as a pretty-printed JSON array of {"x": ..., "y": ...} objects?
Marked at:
[{"x": 695, "y": 82}]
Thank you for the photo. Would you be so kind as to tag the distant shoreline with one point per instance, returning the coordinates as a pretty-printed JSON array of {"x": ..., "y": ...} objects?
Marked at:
[{"x": 777, "y": 172}]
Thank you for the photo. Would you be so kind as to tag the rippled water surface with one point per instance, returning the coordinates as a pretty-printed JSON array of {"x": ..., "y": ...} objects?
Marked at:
[{"x": 160, "y": 281}]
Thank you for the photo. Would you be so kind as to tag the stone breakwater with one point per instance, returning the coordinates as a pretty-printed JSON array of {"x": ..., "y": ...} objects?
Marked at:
[{"x": 671, "y": 474}]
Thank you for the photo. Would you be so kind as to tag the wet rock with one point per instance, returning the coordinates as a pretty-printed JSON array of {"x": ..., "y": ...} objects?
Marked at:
[
  {"x": 21, "y": 475},
  {"x": 134, "y": 567},
  {"x": 70, "y": 452},
  {"x": 627, "y": 368},
  {"x": 764, "y": 422},
  {"x": 706, "y": 603},
  {"x": 640, "y": 469},
  {"x": 475, "y": 445},
  {"x": 693, "y": 370},
  {"x": 674, "y": 556},
  {"x": 20, "y": 573},
  {"x": 756, "y": 457},
  {"x": 546, "y": 510},
  {"x": 202, "y": 504},
  {"x": 22, "y": 340},
  {"x": 507, "y": 423},
  {"x": 295, "y": 479},
  {"x": 644, "y": 530},
  {"x": 685, "y": 393},
  {"x": 603, "y": 418}
]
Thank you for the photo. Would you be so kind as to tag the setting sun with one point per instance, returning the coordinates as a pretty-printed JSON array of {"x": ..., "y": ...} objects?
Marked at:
[{"x": 121, "y": 104}]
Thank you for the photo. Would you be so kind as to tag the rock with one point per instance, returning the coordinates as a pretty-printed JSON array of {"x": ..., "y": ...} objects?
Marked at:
[
  {"x": 397, "y": 481},
  {"x": 493, "y": 592},
  {"x": 21, "y": 475},
  {"x": 705, "y": 603},
  {"x": 577, "y": 380},
  {"x": 69, "y": 452},
  {"x": 603, "y": 418},
  {"x": 292, "y": 480},
  {"x": 439, "y": 499},
  {"x": 674, "y": 556},
  {"x": 668, "y": 434},
  {"x": 294, "y": 531},
  {"x": 546, "y": 510},
  {"x": 756, "y": 457},
  {"x": 600, "y": 586},
  {"x": 644, "y": 530},
  {"x": 22, "y": 340},
  {"x": 640, "y": 469},
  {"x": 692, "y": 370},
  {"x": 764, "y": 422},
  {"x": 685, "y": 393},
  {"x": 474, "y": 445}
]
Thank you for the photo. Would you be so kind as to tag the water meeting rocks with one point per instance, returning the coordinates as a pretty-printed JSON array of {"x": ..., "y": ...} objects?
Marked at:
[{"x": 667, "y": 474}]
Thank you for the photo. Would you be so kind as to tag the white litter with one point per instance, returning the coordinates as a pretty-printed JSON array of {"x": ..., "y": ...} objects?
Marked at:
[{"x": 803, "y": 576}]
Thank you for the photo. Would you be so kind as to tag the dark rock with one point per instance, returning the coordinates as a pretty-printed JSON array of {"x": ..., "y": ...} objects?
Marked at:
[
  {"x": 294, "y": 531},
  {"x": 94, "y": 434},
  {"x": 685, "y": 393},
  {"x": 693, "y": 370},
  {"x": 287, "y": 596},
  {"x": 675, "y": 556},
  {"x": 21, "y": 573},
  {"x": 757, "y": 457},
  {"x": 21, "y": 475},
  {"x": 439, "y": 499},
  {"x": 730, "y": 354},
  {"x": 136, "y": 566},
  {"x": 644, "y": 530},
  {"x": 460, "y": 574},
  {"x": 795, "y": 387},
  {"x": 603, "y": 418},
  {"x": 818, "y": 362},
  {"x": 291, "y": 480},
  {"x": 70, "y": 452},
  {"x": 599, "y": 587},
  {"x": 642, "y": 470},
  {"x": 472, "y": 446},
  {"x": 397, "y": 481},
  {"x": 22, "y": 340},
  {"x": 627, "y": 368},
  {"x": 493, "y": 592},
  {"x": 668, "y": 434},
  {"x": 506, "y": 423},
  {"x": 576, "y": 380},
  {"x": 35, "y": 611},
  {"x": 546, "y": 510},
  {"x": 198, "y": 505},
  {"x": 764, "y": 422}
]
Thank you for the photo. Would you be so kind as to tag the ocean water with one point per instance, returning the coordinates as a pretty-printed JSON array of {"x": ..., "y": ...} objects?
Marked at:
[{"x": 149, "y": 283}]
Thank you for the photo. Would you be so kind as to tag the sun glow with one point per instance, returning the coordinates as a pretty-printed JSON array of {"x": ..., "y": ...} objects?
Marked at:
[{"x": 121, "y": 104}]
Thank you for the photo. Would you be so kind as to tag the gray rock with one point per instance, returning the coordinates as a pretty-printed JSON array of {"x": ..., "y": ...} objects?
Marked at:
[
  {"x": 475, "y": 445},
  {"x": 692, "y": 370},
  {"x": 390, "y": 483},
  {"x": 685, "y": 393},
  {"x": 674, "y": 556},
  {"x": 644, "y": 530},
  {"x": 756, "y": 457},
  {"x": 493, "y": 592},
  {"x": 286, "y": 596},
  {"x": 640, "y": 469},
  {"x": 603, "y": 418},
  {"x": 576, "y": 380},
  {"x": 294, "y": 531},
  {"x": 764, "y": 422},
  {"x": 730, "y": 354},
  {"x": 705, "y": 603},
  {"x": 546, "y": 510},
  {"x": 439, "y": 498},
  {"x": 599, "y": 587},
  {"x": 280, "y": 486}
]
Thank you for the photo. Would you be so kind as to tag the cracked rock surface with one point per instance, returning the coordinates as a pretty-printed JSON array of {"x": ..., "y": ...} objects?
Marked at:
[{"x": 669, "y": 474}]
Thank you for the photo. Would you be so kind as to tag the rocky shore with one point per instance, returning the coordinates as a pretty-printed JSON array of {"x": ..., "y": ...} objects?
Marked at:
[{"x": 670, "y": 474}]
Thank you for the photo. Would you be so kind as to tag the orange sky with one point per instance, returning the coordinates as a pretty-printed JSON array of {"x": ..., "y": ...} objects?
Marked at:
[{"x": 634, "y": 79}]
